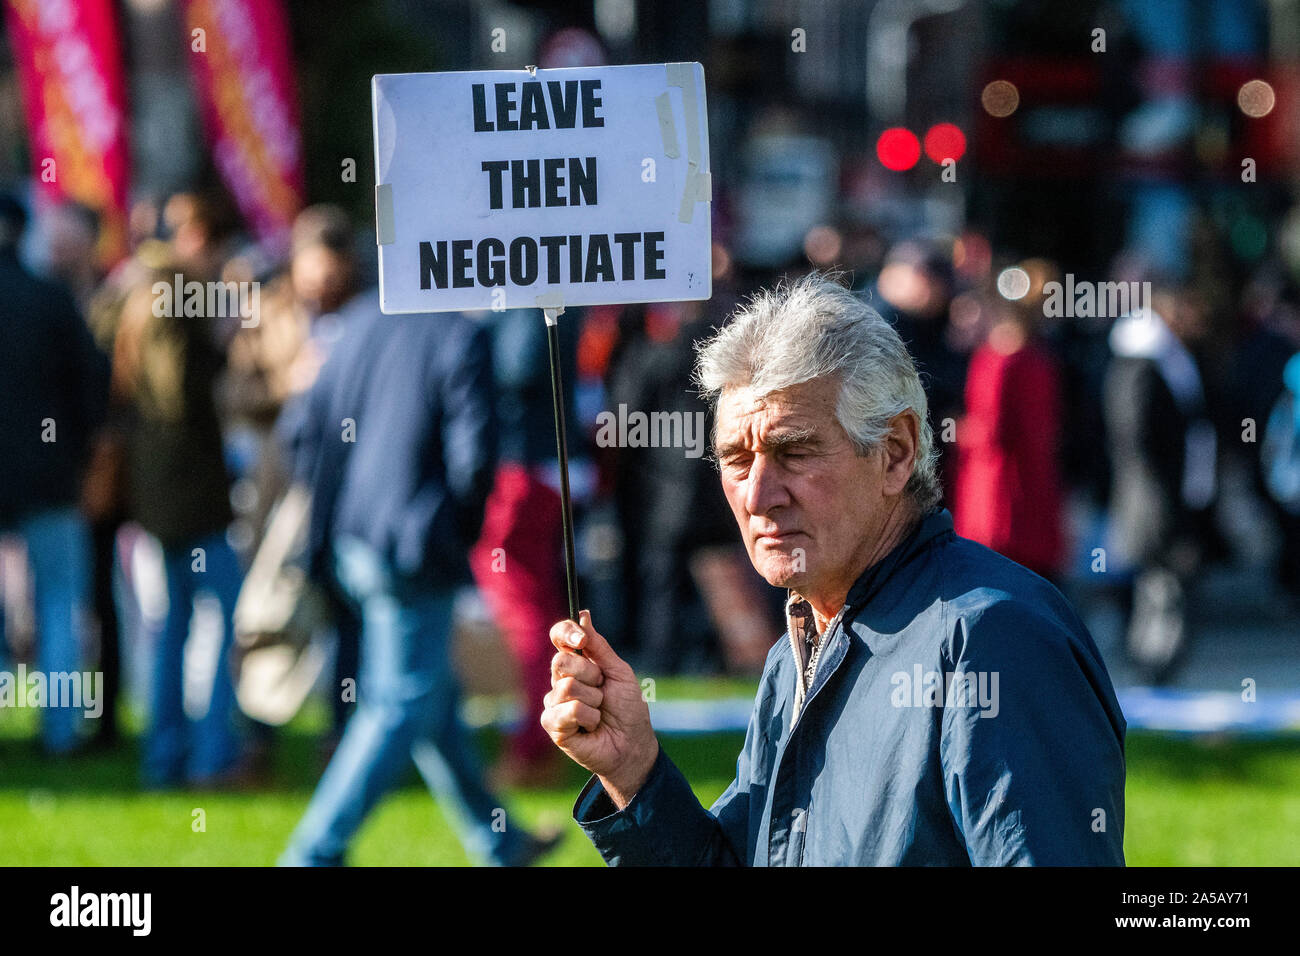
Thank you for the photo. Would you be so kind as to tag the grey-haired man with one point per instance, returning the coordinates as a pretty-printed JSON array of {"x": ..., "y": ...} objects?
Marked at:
[{"x": 931, "y": 703}]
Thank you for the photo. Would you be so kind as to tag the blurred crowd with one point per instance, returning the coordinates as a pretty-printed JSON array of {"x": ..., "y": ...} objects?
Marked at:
[{"x": 148, "y": 441}]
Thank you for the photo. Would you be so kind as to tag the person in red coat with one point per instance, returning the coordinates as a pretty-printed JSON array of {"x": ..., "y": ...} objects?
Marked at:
[{"x": 1008, "y": 486}]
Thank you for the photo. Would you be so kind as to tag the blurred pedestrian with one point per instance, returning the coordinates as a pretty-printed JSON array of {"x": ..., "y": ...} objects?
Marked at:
[
  {"x": 274, "y": 360},
  {"x": 1164, "y": 453},
  {"x": 199, "y": 228},
  {"x": 396, "y": 441},
  {"x": 72, "y": 236},
  {"x": 165, "y": 366},
  {"x": 671, "y": 509},
  {"x": 53, "y": 392},
  {"x": 1280, "y": 462},
  {"x": 1007, "y": 491},
  {"x": 1265, "y": 389},
  {"x": 914, "y": 292}
]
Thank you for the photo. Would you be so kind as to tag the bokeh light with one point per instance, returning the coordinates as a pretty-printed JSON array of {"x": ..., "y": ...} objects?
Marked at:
[
  {"x": 1000, "y": 98},
  {"x": 972, "y": 256},
  {"x": 898, "y": 148},
  {"x": 945, "y": 141},
  {"x": 822, "y": 245},
  {"x": 1013, "y": 283},
  {"x": 1256, "y": 99}
]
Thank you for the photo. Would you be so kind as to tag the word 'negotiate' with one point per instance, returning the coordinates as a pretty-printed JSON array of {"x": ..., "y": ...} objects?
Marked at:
[{"x": 565, "y": 258}]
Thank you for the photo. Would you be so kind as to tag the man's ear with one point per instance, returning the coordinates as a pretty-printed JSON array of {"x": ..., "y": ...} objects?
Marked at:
[{"x": 900, "y": 448}]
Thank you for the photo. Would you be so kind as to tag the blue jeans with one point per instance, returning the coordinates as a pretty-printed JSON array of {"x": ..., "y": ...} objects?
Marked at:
[
  {"x": 407, "y": 708},
  {"x": 58, "y": 551},
  {"x": 174, "y": 750}
]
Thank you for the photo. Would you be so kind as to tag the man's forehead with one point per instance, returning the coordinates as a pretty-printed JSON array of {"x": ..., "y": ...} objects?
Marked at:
[
  {"x": 809, "y": 403},
  {"x": 797, "y": 414},
  {"x": 741, "y": 400}
]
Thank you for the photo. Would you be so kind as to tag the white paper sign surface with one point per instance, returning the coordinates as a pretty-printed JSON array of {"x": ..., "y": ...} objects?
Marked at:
[{"x": 519, "y": 189}]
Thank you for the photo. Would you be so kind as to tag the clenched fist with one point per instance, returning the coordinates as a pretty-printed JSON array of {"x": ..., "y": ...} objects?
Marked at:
[{"x": 595, "y": 712}]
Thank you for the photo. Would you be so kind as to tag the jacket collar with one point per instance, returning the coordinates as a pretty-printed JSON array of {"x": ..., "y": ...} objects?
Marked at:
[{"x": 935, "y": 524}]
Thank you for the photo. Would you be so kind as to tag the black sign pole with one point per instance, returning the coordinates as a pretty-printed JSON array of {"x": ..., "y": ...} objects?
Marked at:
[{"x": 562, "y": 449}]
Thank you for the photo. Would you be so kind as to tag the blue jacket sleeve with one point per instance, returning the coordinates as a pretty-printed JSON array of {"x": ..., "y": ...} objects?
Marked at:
[
  {"x": 1032, "y": 744},
  {"x": 665, "y": 825}
]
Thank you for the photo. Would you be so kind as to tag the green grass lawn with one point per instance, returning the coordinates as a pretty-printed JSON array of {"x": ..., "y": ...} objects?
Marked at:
[{"x": 1201, "y": 801}]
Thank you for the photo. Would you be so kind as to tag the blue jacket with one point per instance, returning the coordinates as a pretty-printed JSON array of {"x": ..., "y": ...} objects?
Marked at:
[
  {"x": 397, "y": 440},
  {"x": 1019, "y": 761}
]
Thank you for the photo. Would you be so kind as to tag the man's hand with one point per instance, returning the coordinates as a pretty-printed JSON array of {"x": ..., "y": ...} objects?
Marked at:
[{"x": 599, "y": 694}]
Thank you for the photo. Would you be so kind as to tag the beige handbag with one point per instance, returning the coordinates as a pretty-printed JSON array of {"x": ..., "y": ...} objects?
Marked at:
[{"x": 278, "y": 617}]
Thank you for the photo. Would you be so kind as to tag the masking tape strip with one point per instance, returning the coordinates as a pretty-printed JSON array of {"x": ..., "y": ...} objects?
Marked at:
[
  {"x": 704, "y": 181},
  {"x": 667, "y": 128},
  {"x": 385, "y": 228},
  {"x": 686, "y": 212},
  {"x": 682, "y": 75}
]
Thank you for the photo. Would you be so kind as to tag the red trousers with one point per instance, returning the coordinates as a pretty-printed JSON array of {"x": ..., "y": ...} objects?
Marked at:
[{"x": 518, "y": 566}]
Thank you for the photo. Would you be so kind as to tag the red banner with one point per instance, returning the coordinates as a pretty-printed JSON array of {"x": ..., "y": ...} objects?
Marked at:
[
  {"x": 239, "y": 52},
  {"x": 70, "y": 72}
]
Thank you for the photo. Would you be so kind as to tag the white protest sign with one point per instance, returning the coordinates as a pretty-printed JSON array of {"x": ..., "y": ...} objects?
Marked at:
[{"x": 531, "y": 188}]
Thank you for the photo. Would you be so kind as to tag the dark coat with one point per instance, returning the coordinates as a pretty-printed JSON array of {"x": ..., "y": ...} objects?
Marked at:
[
  {"x": 178, "y": 487},
  {"x": 49, "y": 369},
  {"x": 1147, "y": 434},
  {"x": 397, "y": 440}
]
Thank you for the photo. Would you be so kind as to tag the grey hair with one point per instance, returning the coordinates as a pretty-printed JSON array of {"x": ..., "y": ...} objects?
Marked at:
[{"x": 814, "y": 328}]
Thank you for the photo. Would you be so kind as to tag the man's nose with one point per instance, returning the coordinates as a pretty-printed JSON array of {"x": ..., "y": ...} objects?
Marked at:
[{"x": 765, "y": 488}]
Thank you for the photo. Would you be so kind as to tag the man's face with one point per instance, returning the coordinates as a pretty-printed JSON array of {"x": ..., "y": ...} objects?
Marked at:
[
  {"x": 809, "y": 506},
  {"x": 320, "y": 277}
]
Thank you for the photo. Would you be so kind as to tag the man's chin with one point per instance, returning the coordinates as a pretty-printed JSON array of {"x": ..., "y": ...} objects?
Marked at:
[
  {"x": 782, "y": 574},
  {"x": 780, "y": 565}
]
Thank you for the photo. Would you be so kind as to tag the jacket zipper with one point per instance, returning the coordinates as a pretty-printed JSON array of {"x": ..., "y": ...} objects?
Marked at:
[{"x": 831, "y": 629}]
